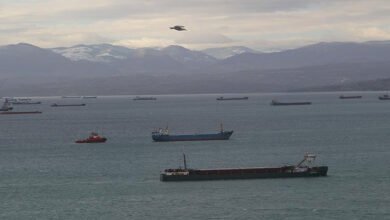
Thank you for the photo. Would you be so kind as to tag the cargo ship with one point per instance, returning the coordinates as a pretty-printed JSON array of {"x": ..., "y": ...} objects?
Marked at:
[
  {"x": 144, "y": 98},
  {"x": 274, "y": 102},
  {"x": 232, "y": 98},
  {"x": 89, "y": 97},
  {"x": 302, "y": 169},
  {"x": 162, "y": 135},
  {"x": 66, "y": 105},
  {"x": 350, "y": 97},
  {"x": 19, "y": 113},
  {"x": 384, "y": 97},
  {"x": 26, "y": 103},
  {"x": 71, "y": 97}
]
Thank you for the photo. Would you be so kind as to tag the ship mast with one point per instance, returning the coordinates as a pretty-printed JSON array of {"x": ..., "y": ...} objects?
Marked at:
[
  {"x": 221, "y": 128},
  {"x": 184, "y": 160}
]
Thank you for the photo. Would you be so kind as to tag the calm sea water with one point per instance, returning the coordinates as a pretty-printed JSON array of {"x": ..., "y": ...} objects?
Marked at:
[{"x": 45, "y": 175}]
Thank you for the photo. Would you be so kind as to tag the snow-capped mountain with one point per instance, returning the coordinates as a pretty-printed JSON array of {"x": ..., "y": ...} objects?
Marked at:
[
  {"x": 108, "y": 53},
  {"x": 95, "y": 53},
  {"x": 225, "y": 52}
]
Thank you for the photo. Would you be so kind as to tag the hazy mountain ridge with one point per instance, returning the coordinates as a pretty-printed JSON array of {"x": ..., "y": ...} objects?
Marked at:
[
  {"x": 106, "y": 69},
  {"x": 226, "y": 52}
]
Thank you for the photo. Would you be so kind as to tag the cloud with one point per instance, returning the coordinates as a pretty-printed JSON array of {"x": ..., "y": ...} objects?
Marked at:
[
  {"x": 145, "y": 42},
  {"x": 212, "y": 23}
]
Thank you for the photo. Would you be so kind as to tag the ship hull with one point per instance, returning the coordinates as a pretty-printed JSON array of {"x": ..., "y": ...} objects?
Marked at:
[
  {"x": 199, "y": 175},
  {"x": 64, "y": 105},
  {"x": 223, "y": 99},
  {"x": 290, "y": 103},
  {"x": 19, "y": 113},
  {"x": 198, "y": 137},
  {"x": 350, "y": 97}
]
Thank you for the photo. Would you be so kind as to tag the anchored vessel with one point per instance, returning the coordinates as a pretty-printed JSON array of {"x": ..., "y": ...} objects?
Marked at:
[
  {"x": 274, "y": 102},
  {"x": 93, "y": 138},
  {"x": 89, "y": 97},
  {"x": 161, "y": 135},
  {"x": 302, "y": 169},
  {"x": 71, "y": 97},
  {"x": 26, "y": 103},
  {"x": 138, "y": 98},
  {"x": 18, "y": 113},
  {"x": 236, "y": 98},
  {"x": 66, "y": 105},
  {"x": 384, "y": 97},
  {"x": 350, "y": 97}
]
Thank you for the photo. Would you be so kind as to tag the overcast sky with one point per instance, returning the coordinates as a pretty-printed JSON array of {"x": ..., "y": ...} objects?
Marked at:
[{"x": 265, "y": 25}]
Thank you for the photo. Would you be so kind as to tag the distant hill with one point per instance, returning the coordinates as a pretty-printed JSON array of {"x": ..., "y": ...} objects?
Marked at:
[
  {"x": 371, "y": 85},
  {"x": 107, "y": 69},
  {"x": 312, "y": 55}
]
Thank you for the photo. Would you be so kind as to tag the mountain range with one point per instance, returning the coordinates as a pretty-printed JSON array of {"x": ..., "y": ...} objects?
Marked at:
[{"x": 105, "y": 69}]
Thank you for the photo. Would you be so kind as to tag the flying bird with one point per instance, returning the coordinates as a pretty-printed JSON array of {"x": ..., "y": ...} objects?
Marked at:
[{"x": 178, "y": 28}]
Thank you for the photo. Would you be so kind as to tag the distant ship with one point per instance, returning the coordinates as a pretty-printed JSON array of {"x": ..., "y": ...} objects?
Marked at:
[
  {"x": 66, "y": 105},
  {"x": 384, "y": 97},
  {"x": 93, "y": 138},
  {"x": 19, "y": 113},
  {"x": 274, "y": 102},
  {"x": 138, "y": 98},
  {"x": 71, "y": 97},
  {"x": 25, "y": 103},
  {"x": 162, "y": 135},
  {"x": 302, "y": 169},
  {"x": 89, "y": 97},
  {"x": 6, "y": 106},
  {"x": 232, "y": 98},
  {"x": 350, "y": 97}
]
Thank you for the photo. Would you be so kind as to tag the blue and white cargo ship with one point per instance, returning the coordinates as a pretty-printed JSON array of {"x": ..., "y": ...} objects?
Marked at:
[{"x": 162, "y": 135}]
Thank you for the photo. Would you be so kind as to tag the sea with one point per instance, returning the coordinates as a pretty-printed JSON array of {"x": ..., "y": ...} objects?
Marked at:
[{"x": 44, "y": 174}]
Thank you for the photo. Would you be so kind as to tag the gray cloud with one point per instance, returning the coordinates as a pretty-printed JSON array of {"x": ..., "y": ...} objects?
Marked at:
[{"x": 276, "y": 23}]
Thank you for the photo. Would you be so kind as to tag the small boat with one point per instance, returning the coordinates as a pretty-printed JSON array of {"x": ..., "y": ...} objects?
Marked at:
[
  {"x": 384, "y": 97},
  {"x": 232, "y": 98},
  {"x": 302, "y": 169},
  {"x": 25, "y": 103},
  {"x": 66, "y": 105},
  {"x": 350, "y": 97},
  {"x": 93, "y": 138},
  {"x": 162, "y": 135},
  {"x": 138, "y": 98},
  {"x": 274, "y": 102},
  {"x": 89, "y": 97},
  {"x": 19, "y": 113}
]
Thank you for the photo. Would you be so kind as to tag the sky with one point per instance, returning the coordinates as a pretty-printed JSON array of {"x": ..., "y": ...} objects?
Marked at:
[{"x": 265, "y": 25}]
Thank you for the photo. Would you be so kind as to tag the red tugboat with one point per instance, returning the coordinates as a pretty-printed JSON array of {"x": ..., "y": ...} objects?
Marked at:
[{"x": 93, "y": 138}]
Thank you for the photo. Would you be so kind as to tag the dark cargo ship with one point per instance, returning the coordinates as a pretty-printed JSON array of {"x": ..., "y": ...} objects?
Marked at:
[
  {"x": 66, "y": 105},
  {"x": 138, "y": 98},
  {"x": 350, "y": 97},
  {"x": 384, "y": 97},
  {"x": 274, "y": 102},
  {"x": 20, "y": 113},
  {"x": 162, "y": 135},
  {"x": 232, "y": 98},
  {"x": 302, "y": 169}
]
